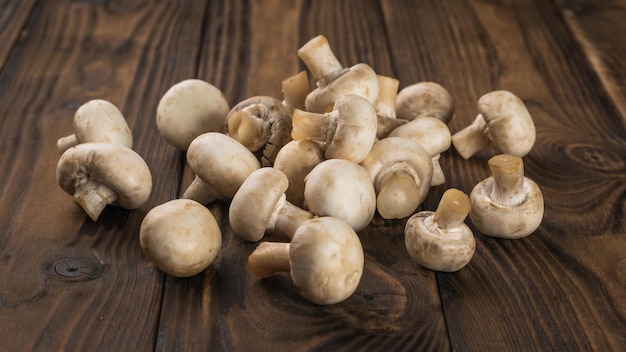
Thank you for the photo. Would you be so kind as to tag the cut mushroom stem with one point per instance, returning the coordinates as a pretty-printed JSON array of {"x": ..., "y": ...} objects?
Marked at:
[
  {"x": 295, "y": 89},
  {"x": 289, "y": 218},
  {"x": 66, "y": 142},
  {"x": 249, "y": 130},
  {"x": 472, "y": 138},
  {"x": 453, "y": 209},
  {"x": 399, "y": 191},
  {"x": 320, "y": 59},
  {"x": 508, "y": 183},
  {"x": 269, "y": 258},
  {"x": 201, "y": 191},
  {"x": 93, "y": 197},
  {"x": 313, "y": 126}
]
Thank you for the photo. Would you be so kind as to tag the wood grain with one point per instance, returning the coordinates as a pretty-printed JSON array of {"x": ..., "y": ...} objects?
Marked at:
[{"x": 13, "y": 16}]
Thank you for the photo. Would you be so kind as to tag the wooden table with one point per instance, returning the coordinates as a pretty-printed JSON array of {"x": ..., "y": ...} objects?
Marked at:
[{"x": 68, "y": 283}]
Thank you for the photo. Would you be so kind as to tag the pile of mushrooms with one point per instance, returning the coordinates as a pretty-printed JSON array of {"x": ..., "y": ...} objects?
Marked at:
[{"x": 316, "y": 167}]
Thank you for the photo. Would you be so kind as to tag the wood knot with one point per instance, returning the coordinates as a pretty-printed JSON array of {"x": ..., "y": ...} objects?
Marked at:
[
  {"x": 76, "y": 269},
  {"x": 596, "y": 157}
]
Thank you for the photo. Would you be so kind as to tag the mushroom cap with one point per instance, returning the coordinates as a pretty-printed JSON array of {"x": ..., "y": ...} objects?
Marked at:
[
  {"x": 435, "y": 248},
  {"x": 429, "y": 132},
  {"x": 359, "y": 79},
  {"x": 342, "y": 189},
  {"x": 296, "y": 159},
  {"x": 188, "y": 109},
  {"x": 99, "y": 120},
  {"x": 118, "y": 167},
  {"x": 425, "y": 99},
  {"x": 326, "y": 260},
  {"x": 253, "y": 209},
  {"x": 355, "y": 132},
  {"x": 221, "y": 162},
  {"x": 495, "y": 220},
  {"x": 510, "y": 126},
  {"x": 181, "y": 237}
]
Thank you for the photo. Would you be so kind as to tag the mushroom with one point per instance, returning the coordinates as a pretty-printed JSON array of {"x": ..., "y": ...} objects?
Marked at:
[
  {"x": 325, "y": 260},
  {"x": 432, "y": 134},
  {"x": 188, "y": 109},
  {"x": 221, "y": 164},
  {"x": 260, "y": 123},
  {"x": 295, "y": 89},
  {"x": 400, "y": 170},
  {"x": 260, "y": 205},
  {"x": 503, "y": 121},
  {"x": 385, "y": 106},
  {"x": 332, "y": 79},
  {"x": 181, "y": 237},
  {"x": 507, "y": 204},
  {"x": 425, "y": 99},
  {"x": 296, "y": 159},
  {"x": 97, "y": 121},
  {"x": 342, "y": 189},
  {"x": 347, "y": 132},
  {"x": 98, "y": 174},
  {"x": 439, "y": 240}
]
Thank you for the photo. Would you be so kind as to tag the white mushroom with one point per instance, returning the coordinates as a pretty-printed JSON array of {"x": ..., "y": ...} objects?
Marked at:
[
  {"x": 325, "y": 259},
  {"x": 296, "y": 159},
  {"x": 98, "y": 174},
  {"x": 188, "y": 109},
  {"x": 440, "y": 240},
  {"x": 221, "y": 164},
  {"x": 400, "y": 170},
  {"x": 385, "y": 106},
  {"x": 503, "y": 122},
  {"x": 333, "y": 80},
  {"x": 181, "y": 237},
  {"x": 425, "y": 99},
  {"x": 97, "y": 121},
  {"x": 295, "y": 89},
  {"x": 507, "y": 204}
]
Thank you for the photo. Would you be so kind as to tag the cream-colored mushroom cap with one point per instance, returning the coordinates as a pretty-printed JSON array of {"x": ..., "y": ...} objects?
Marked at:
[
  {"x": 188, "y": 109},
  {"x": 98, "y": 120},
  {"x": 326, "y": 260},
  {"x": 97, "y": 174},
  {"x": 181, "y": 237},
  {"x": 425, "y": 99},
  {"x": 296, "y": 159}
]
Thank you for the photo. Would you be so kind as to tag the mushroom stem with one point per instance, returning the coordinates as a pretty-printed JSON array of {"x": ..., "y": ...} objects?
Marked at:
[
  {"x": 269, "y": 258},
  {"x": 385, "y": 103},
  {"x": 65, "y": 143},
  {"x": 398, "y": 191},
  {"x": 248, "y": 129},
  {"x": 93, "y": 197},
  {"x": 295, "y": 89},
  {"x": 289, "y": 218},
  {"x": 452, "y": 210},
  {"x": 313, "y": 126},
  {"x": 201, "y": 191},
  {"x": 320, "y": 59},
  {"x": 438, "y": 176},
  {"x": 508, "y": 180},
  {"x": 472, "y": 138}
]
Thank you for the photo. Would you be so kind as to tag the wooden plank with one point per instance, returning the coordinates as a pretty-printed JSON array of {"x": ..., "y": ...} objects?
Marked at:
[
  {"x": 69, "y": 283},
  {"x": 13, "y": 16},
  {"x": 559, "y": 288}
]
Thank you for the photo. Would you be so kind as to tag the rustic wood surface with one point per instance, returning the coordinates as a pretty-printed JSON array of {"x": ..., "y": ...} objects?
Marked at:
[{"x": 68, "y": 283}]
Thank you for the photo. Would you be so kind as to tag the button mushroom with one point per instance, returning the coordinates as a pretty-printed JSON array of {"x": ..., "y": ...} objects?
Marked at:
[
  {"x": 181, "y": 237},
  {"x": 347, "y": 132},
  {"x": 260, "y": 205},
  {"x": 425, "y": 99},
  {"x": 341, "y": 189},
  {"x": 400, "y": 170},
  {"x": 439, "y": 240},
  {"x": 325, "y": 259},
  {"x": 262, "y": 124},
  {"x": 295, "y": 89},
  {"x": 296, "y": 159},
  {"x": 98, "y": 174},
  {"x": 507, "y": 204},
  {"x": 97, "y": 121},
  {"x": 188, "y": 109},
  {"x": 503, "y": 122},
  {"x": 432, "y": 134},
  {"x": 385, "y": 106},
  {"x": 221, "y": 164},
  {"x": 332, "y": 79}
]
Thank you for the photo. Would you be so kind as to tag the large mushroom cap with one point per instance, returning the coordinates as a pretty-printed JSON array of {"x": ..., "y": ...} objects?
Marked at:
[
  {"x": 326, "y": 260},
  {"x": 355, "y": 132},
  {"x": 425, "y": 99}
]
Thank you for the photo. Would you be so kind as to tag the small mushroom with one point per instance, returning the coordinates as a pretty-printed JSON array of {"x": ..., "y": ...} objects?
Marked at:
[
  {"x": 347, "y": 132},
  {"x": 295, "y": 89},
  {"x": 98, "y": 174},
  {"x": 432, "y": 134},
  {"x": 332, "y": 79},
  {"x": 260, "y": 205},
  {"x": 181, "y": 237},
  {"x": 342, "y": 189},
  {"x": 385, "y": 106},
  {"x": 97, "y": 121},
  {"x": 425, "y": 99},
  {"x": 188, "y": 109},
  {"x": 439, "y": 240},
  {"x": 262, "y": 124},
  {"x": 400, "y": 170},
  {"x": 503, "y": 122},
  {"x": 507, "y": 204},
  {"x": 296, "y": 159},
  {"x": 221, "y": 164},
  {"x": 325, "y": 259}
]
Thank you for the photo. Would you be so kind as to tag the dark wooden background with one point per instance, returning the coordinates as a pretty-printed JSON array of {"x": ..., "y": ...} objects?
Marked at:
[{"x": 68, "y": 283}]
